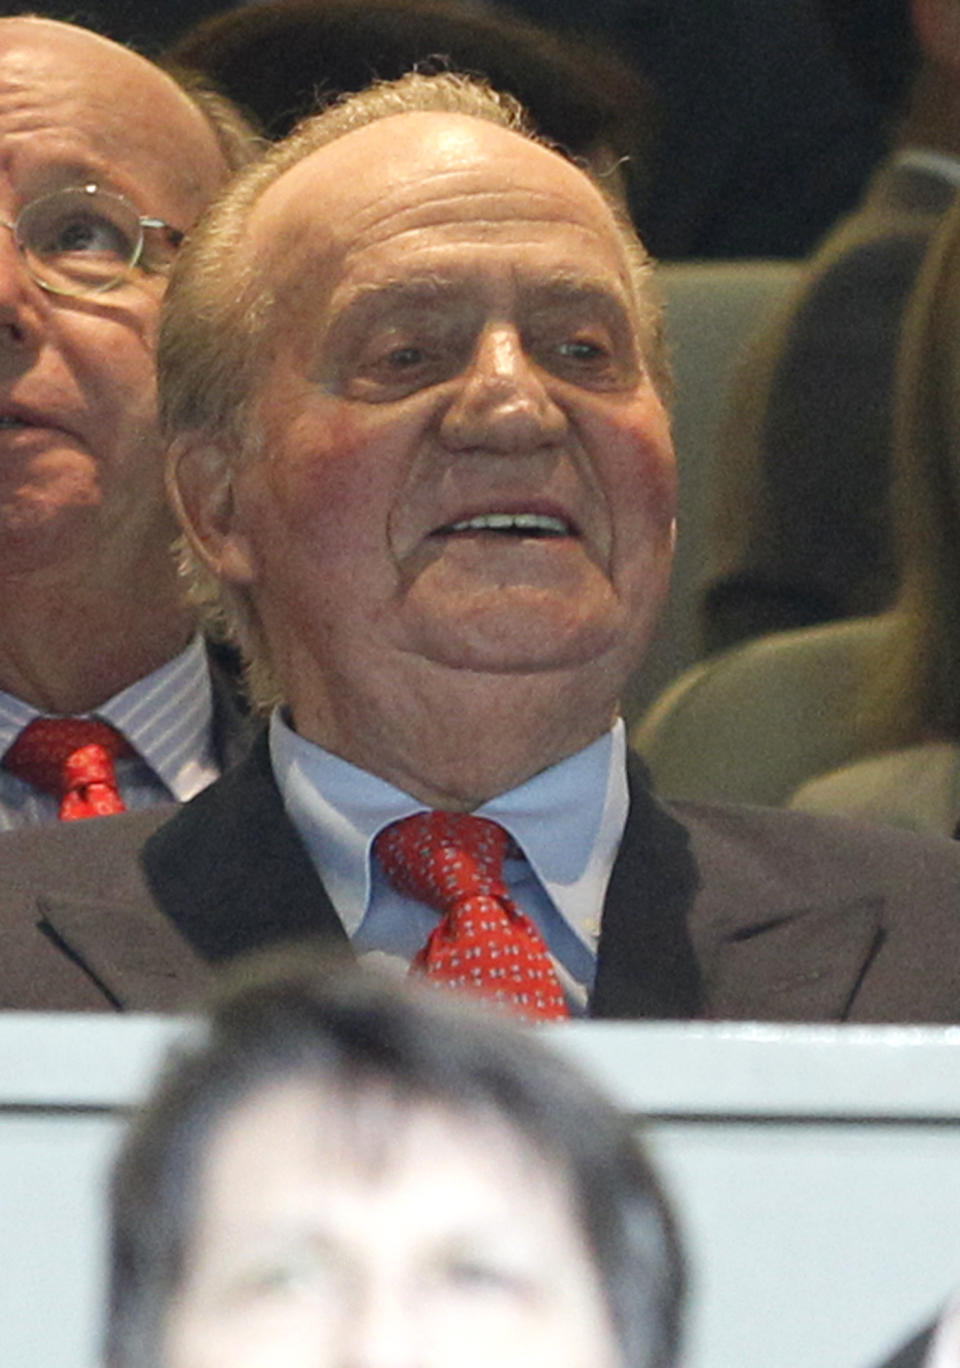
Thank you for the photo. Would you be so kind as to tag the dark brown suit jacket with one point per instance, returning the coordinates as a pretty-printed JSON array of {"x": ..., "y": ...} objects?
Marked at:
[
  {"x": 914, "y": 1354},
  {"x": 724, "y": 913}
]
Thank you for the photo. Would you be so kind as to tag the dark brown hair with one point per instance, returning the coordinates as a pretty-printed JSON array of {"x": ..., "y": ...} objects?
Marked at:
[{"x": 278, "y": 1018}]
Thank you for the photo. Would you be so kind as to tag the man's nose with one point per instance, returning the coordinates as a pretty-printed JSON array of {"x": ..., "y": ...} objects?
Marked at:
[
  {"x": 382, "y": 1329},
  {"x": 18, "y": 303},
  {"x": 503, "y": 402}
]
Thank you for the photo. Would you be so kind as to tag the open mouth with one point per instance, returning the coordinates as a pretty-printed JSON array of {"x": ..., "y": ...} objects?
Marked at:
[
  {"x": 7, "y": 420},
  {"x": 510, "y": 525}
]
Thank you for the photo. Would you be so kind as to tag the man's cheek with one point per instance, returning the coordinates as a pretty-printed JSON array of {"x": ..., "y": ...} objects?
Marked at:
[{"x": 645, "y": 482}]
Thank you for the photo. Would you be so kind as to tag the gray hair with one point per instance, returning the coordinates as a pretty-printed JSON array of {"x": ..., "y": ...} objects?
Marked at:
[{"x": 218, "y": 311}]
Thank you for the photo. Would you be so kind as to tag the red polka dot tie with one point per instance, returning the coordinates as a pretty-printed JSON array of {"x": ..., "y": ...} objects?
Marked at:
[
  {"x": 454, "y": 862},
  {"x": 72, "y": 758}
]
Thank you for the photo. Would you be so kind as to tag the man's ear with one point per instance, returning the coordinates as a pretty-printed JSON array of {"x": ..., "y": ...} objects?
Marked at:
[
  {"x": 199, "y": 476},
  {"x": 936, "y": 24}
]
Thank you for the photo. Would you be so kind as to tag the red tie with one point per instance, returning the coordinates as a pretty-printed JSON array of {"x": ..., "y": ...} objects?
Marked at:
[
  {"x": 72, "y": 758},
  {"x": 454, "y": 862}
]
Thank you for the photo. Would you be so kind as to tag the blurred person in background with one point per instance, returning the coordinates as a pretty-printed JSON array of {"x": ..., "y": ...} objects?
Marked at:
[
  {"x": 283, "y": 59},
  {"x": 763, "y": 139},
  {"x": 109, "y": 696},
  {"x": 334, "y": 1170},
  {"x": 801, "y": 527},
  {"x": 910, "y": 709}
]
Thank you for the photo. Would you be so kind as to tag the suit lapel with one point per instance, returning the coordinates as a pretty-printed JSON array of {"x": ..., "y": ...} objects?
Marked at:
[
  {"x": 231, "y": 870},
  {"x": 703, "y": 919},
  {"x": 122, "y": 952},
  {"x": 80, "y": 928},
  {"x": 218, "y": 876},
  {"x": 782, "y": 929},
  {"x": 803, "y": 964},
  {"x": 136, "y": 958},
  {"x": 645, "y": 963}
]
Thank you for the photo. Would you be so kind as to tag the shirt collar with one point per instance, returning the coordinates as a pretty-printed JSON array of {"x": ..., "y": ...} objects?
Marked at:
[
  {"x": 568, "y": 820},
  {"x": 167, "y": 717}
]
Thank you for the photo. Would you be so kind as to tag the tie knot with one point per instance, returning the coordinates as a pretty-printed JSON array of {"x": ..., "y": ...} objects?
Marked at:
[
  {"x": 60, "y": 754},
  {"x": 442, "y": 857},
  {"x": 453, "y": 862}
]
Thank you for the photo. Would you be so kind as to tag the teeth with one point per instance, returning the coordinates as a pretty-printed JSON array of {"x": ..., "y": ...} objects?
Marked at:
[{"x": 512, "y": 522}]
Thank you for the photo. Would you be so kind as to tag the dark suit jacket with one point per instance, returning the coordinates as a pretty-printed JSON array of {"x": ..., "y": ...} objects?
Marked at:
[
  {"x": 914, "y": 1354},
  {"x": 232, "y": 727},
  {"x": 801, "y": 529},
  {"x": 711, "y": 912}
]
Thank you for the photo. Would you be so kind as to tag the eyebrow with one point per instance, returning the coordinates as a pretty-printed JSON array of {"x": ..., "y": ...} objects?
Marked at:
[
  {"x": 63, "y": 175},
  {"x": 578, "y": 290},
  {"x": 410, "y": 292},
  {"x": 559, "y": 289}
]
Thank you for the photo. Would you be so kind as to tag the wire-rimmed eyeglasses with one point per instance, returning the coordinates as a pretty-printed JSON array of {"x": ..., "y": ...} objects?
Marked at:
[{"x": 82, "y": 240}]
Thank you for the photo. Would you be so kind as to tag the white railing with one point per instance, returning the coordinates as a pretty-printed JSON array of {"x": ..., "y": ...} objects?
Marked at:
[{"x": 816, "y": 1171}]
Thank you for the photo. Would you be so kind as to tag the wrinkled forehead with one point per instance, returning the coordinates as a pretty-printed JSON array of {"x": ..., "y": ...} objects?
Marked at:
[
  {"x": 100, "y": 97},
  {"x": 454, "y": 175}
]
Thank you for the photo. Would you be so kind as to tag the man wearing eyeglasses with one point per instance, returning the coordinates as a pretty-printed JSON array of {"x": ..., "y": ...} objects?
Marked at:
[{"x": 105, "y": 162}]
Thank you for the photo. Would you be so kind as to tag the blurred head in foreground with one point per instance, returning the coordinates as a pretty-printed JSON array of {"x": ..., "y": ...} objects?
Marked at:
[{"x": 333, "y": 1170}]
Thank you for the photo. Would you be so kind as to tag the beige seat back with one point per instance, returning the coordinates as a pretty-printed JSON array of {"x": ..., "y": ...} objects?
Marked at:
[
  {"x": 753, "y": 723},
  {"x": 712, "y": 309}
]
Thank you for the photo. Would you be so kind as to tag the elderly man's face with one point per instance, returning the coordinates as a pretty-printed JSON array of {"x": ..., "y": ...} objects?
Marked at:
[
  {"x": 465, "y": 461},
  {"x": 80, "y": 462},
  {"x": 427, "y": 1240}
]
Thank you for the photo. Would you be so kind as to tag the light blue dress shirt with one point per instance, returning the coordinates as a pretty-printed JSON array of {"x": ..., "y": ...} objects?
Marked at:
[
  {"x": 567, "y": 820},
  {"x": 167, "y": 717}
]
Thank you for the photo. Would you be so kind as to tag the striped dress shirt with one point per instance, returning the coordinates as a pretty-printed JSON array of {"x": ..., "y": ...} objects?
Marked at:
[{"x": 167, "y": 718}]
